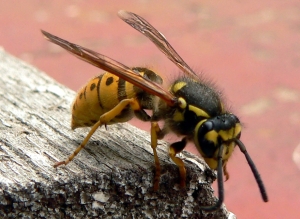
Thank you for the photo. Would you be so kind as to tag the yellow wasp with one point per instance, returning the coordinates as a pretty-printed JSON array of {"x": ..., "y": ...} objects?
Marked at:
[{"x": 190, "y": 108}]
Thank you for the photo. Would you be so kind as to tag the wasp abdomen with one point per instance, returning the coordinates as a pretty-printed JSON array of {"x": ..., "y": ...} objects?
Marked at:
[
  {"x": 103, "y": 93},
  {"x": 99, "y": 96}
]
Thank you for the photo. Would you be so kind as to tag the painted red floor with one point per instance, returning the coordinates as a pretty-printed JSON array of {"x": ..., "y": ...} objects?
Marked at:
[{"x": 250, "y": 49}]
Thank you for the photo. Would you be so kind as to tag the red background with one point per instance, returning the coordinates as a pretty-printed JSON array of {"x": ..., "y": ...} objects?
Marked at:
[{"x": 250, "y": 49}]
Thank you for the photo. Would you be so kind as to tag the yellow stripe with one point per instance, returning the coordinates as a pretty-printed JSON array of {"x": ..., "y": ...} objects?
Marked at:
[
  {"x": 198, "y": 111},
  {"x": 196, "y": 135},
  {"x": 212, "y": 136},
  {"x": 231, "y": 133},
  {"x": 176, "y": 87}
]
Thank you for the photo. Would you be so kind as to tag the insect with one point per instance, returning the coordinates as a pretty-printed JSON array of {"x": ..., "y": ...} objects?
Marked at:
[{"x": 190, "y": 108}]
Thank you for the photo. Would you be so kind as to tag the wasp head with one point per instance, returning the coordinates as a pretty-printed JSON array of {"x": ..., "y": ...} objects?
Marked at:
[{"x": 211, "y": 133}]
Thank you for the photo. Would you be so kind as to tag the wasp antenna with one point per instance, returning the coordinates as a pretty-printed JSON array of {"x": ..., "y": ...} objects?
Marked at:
[
  {"x": 220, "y": 184},
  {"x": 254, "y": 170}
]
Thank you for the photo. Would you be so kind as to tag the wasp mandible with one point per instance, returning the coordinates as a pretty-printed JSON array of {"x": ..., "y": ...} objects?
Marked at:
[{"x": 191, "y": 108}]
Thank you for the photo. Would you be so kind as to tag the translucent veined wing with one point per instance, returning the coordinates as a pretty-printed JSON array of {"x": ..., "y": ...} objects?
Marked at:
[
  {"x": 144, "y": 27},
  {"x": 113, "y": 67}
]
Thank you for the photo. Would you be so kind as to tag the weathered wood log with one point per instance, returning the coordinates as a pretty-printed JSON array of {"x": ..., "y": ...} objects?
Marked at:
[{"x": 110, "y": 178}]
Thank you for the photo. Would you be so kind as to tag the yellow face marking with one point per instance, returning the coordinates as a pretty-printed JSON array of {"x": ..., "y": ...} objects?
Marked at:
[
  {"x": 212, "y": 136},
  {"x": 238, "y": 129},
  {"x": 198, "y": 111},
  {"x": 211, "y": 162},
  {"x": 231, "y": 133},
  {"x": 228, "y": 149},
  {"x": 178, "y": 86},
  {"x": 226, "y": 134}
]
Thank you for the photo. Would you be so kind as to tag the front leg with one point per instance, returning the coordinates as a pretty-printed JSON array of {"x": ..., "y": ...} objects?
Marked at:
[
  {"x": 174, "y": 149},
  {"x": 156, "y": 133}
]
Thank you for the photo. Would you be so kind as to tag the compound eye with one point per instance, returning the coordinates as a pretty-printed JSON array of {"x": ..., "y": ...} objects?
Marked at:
[
  {"x": 182, "y": 103},
  {"x": 206, "y": 139},
  {"x": 207, "y": 126}
]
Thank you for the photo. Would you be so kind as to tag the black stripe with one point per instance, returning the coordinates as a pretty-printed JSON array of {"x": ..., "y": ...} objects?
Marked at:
[
  {"x": 121, "y": 90},
  {"x": 84, "y": 93},
  {"x": 98, "y": 90}
]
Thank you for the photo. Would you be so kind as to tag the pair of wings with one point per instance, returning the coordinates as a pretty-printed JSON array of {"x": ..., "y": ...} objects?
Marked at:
[{"x": 123, "y": 71}]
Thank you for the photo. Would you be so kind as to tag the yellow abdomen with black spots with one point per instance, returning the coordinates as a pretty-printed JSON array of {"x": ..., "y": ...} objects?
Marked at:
[{"x": 99, "y": 96}]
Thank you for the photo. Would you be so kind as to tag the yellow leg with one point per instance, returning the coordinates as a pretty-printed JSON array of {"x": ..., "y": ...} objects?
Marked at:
[
  {"x": 81, "y": 146},
  {"x": 226, "y": 174},
  {"x": 154, "y": 130},
  {"x": 103, "y": 120},
  {"x": 174, "y": 149}
]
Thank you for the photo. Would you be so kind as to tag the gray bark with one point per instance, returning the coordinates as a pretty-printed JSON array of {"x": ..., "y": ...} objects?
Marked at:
[{"x": 110, "y": 178}]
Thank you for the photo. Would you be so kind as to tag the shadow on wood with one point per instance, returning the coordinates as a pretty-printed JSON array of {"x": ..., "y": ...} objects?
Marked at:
[{"x": 110, "y": 178}]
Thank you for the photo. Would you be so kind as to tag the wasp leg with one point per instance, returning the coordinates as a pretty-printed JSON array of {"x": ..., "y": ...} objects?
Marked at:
[
  {"x": 142, "y": 115},
  {"x": 226, "y": 174},
  {"x": 156, "y": 133},
  {"x": 174, "y": 149},
  {"x": 81, "y": 146},
  {"x": 103, "y": 120}
]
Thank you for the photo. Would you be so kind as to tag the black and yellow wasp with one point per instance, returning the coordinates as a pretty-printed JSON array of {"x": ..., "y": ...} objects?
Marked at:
[{"x": 190, "y": 108}]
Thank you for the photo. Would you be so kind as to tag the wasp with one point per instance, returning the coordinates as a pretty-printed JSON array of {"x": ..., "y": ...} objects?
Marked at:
[{"x": 190, "y": 108}]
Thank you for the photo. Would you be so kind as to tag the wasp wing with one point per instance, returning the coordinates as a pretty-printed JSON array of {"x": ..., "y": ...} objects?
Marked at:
[
  {"x": 112, "y": 66},
  {"x": 143, "y": 26}
]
